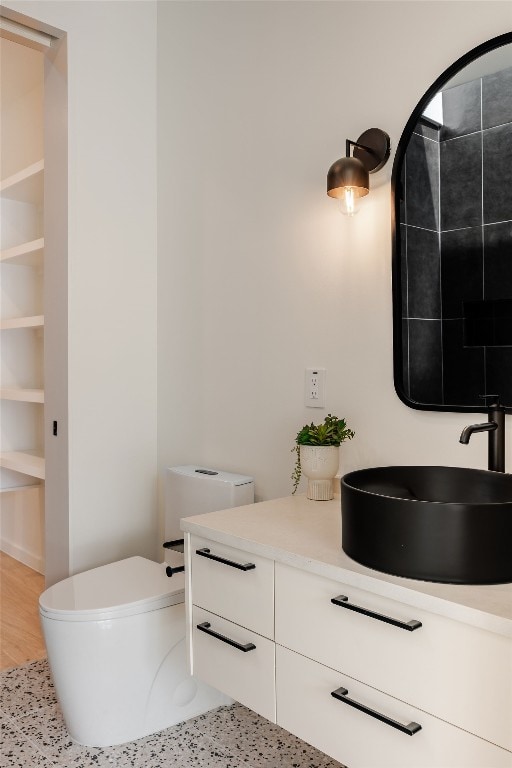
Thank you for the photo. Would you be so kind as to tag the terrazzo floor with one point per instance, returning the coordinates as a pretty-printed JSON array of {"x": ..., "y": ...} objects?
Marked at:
[{"x": 33, "y": 734}]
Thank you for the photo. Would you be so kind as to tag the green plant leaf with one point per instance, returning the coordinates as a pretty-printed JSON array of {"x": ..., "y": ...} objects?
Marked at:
[{"x": 332, "y": 431}]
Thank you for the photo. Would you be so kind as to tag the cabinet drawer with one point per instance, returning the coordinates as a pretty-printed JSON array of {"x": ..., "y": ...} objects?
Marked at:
[
  {"x": 227, "y": 587},
  {"x": 359, "y": 740},
  {"x": 459, "y": 673},
  {"x": 239, "y": 663}
]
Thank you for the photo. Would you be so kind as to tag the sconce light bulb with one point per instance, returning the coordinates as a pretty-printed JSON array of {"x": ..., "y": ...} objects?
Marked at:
[{"x": 349, "y": 201}]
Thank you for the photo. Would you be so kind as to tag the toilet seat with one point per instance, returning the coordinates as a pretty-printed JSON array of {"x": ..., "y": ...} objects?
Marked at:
[{"x": 127, "y": 587}]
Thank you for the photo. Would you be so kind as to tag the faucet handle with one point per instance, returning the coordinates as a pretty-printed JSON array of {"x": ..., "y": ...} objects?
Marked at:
[{"x": 494, "y": 400}]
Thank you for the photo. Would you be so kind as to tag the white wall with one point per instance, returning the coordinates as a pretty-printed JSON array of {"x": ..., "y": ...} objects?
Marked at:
[
  {"x": 259, "y": 276},
  {"x": 111, "y": 279}
]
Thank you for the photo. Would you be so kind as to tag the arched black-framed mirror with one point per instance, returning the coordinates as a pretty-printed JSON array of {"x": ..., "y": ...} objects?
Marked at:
[{"x": 452, "y": 238}]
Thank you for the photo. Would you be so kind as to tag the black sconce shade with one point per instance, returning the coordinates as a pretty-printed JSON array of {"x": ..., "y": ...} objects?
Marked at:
[
  {"x": 371, "y": 152},
  {"x": 347, "y": 172}
]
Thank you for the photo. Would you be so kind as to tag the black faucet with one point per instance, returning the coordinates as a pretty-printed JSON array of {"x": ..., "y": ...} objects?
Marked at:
[{"x": 495, "y": 426}]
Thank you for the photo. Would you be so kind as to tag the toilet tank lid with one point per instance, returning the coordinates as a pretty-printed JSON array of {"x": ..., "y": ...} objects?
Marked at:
[
  {"x": 207, "y": 473},
  {"x": 124, "y": 588}
]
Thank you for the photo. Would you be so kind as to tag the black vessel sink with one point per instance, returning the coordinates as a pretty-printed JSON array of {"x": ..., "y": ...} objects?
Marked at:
[{"x": 444, "y": 524}]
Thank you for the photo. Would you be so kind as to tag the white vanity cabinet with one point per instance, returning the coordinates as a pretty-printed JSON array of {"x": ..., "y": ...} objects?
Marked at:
[
  {"x": 358, "y": 740},
  {"x": 459, "y": 673},
  {"x": 400, "y": 668},
  {"x": 232, "y": 623},
  {"x": 371, "y": 680}
]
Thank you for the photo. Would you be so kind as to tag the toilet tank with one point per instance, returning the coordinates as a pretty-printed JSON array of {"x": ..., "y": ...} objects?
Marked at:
[{"x": 195, "y": 490}]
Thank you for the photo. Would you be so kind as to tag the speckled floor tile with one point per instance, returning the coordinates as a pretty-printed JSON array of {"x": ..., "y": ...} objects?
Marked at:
[
  {"x": 260, "y": 742},
  {"x": 26, "y": 688},
  {"x": 229, "y": 737},
  {"x": 181, "y": 749},
  {"x": 46, "y": 728},
  {"x": 18, "y": 752},
  {"x": 182, "y": 742}
]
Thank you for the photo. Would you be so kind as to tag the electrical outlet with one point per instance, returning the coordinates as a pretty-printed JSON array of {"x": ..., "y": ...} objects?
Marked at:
[{"x": 314, "y": 387}]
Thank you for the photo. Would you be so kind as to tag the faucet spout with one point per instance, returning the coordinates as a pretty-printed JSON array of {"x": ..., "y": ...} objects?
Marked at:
[{"x": 465, "y": 435}]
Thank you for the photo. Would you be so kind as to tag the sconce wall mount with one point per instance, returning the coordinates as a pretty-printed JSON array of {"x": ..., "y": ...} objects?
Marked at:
[{"x": 348, "y": 178}]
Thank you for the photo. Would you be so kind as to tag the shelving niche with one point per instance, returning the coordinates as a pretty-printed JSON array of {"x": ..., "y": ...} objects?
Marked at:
[
  {"x": 21, "y": 287},
  {"x": 22, "y": 464}
]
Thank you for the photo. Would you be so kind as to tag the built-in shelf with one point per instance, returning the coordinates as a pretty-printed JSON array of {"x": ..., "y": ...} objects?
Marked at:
[
  {"x": 18, "y": 488},
  {"x": 27, "y": 254},
  {"x": 26, "y": 462},
  {"x": 26, "y": 186},
  {"x": 36, "y": 321},
  {"x": 23, "y": 395}
]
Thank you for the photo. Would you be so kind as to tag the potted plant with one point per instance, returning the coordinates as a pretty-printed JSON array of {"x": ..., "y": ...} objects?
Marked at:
[{"x": 317, "y": 448}]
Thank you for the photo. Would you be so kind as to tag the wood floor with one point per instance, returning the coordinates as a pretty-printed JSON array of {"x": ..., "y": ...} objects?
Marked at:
[{"x": 20, "y": 633}]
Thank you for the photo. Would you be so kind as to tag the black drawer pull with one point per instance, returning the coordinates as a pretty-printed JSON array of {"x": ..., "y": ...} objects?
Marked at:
[
  {"x": 205, "y": 627},
  {"x": 342, "y": 601},
  {"x": 204, "y": 552},
  {"x": 410, "y": 729},
  {"x": 176, "y": 544}
]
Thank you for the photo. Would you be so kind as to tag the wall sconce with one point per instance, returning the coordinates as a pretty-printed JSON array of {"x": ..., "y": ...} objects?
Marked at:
[{"x": 348, "y": 178}]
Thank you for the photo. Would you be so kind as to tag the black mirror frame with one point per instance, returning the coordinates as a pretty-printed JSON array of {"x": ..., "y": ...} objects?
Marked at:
[{"x": 457, "y": 66}]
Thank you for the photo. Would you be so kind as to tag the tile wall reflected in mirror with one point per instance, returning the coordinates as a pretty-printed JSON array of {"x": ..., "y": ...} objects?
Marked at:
[{"x": 456, "y": 248}]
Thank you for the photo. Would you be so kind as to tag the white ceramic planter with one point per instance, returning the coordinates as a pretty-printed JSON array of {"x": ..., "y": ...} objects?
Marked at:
[{"x": 319, "y": 463}]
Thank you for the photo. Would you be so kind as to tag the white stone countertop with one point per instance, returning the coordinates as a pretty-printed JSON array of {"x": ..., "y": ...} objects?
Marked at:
[{"x": 307, "y": 534}]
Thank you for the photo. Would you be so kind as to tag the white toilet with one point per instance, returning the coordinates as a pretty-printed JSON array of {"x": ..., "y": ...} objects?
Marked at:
[{"x": 115, "y": 635}]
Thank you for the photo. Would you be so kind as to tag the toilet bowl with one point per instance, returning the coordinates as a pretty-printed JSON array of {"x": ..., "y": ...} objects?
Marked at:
[
  {"x": 115, "y": 635},
  {"x": 115, "y": 638}
]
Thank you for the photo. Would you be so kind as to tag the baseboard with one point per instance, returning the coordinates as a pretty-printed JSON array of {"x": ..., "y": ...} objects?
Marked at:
[{"x": 23, "y": 556}]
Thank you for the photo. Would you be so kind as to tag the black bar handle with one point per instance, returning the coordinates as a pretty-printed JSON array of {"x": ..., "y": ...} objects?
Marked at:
[
  {"x": 173, "y": 543},
  {"x": 205, "y": 627},
  {"x": 410, "y": 729},
  {"x": 205, "y": 552},
  {"x": 171, "y": 571},
  {"x": 342, "y": 601}
]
